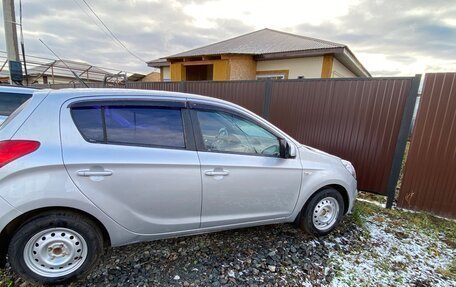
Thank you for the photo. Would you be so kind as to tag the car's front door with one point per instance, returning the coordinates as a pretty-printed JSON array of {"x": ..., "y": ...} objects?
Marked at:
[
  {"x": 244, "y": 178},
  {"x": 134, "y": 161}
]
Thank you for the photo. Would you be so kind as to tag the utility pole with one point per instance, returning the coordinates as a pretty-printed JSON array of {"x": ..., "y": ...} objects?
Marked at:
[{"x": 12, "y": 49}]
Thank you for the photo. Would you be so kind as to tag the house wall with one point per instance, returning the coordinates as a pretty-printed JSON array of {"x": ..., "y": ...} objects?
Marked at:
[
  {"x": 178, "y": 72},
  {"x": 309, "y": 67},
  {"x": 151, "y": 77},
  {"x": 221, "y": 69},
  {"x": 229, "y": 67},
  {"x": 340, "y": 71},
  {"x": 326, "y": 68},
  {"x": 165, "y": 73},
  {"x": 242, "y": 67}
]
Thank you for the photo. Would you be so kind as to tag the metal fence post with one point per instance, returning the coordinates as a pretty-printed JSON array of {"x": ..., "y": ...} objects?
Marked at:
[
  {"x": 182, "y": 86},
  {"x": 267, "y": 98},
  {"x": 402, "y": 140}
]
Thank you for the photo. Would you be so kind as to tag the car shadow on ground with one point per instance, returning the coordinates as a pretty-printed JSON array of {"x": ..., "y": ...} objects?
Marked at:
[{"x": 274, "y": 255}]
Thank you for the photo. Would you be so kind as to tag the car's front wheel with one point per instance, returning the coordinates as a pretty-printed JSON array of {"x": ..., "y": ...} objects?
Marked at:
[
  {"x": 323, "y": 212},
  {"x": 55, "y": 247}
]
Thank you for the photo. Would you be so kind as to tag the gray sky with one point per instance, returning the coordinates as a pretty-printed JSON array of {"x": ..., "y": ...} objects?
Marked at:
[{"x": 390, "y": 37}]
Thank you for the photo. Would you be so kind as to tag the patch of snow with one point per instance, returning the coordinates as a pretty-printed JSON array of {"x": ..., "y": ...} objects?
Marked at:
[
  {"x": 414, "y": 211},
  {"x": 382, "y": 205},
  {"x": 394, "y": 255}
]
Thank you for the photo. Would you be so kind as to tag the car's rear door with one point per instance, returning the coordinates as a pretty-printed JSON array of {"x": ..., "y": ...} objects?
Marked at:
[{"x": 135, "y": 159}]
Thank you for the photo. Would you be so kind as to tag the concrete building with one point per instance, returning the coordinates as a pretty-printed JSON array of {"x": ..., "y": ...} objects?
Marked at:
[{"x": 262, "y": 54}]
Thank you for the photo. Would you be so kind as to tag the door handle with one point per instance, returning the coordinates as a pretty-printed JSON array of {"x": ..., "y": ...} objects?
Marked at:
[
  {"x": 214, "y": 172},
  {"x": 88, "y": 172}
]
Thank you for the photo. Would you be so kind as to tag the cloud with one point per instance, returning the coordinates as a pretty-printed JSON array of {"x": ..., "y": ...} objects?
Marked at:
[
  {"x": 151, "y": 29},
  {"x": 408, "y": 34},
  {"x": 390, "y": 37}
]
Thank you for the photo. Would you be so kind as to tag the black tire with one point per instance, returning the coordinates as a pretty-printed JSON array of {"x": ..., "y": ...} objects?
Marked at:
[
  {"x": 71, "y": 221},
  {"x": 306, "y": 221}
]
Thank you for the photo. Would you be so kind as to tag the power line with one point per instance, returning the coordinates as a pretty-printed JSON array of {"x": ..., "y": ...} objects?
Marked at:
[
  {"x": 75, "y": 75},
  {"x": 93, "y": 20},
  {"x": 112, "y": 34}
]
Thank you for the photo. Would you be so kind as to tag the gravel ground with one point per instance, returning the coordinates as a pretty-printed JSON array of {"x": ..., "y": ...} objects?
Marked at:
[{"x": 368, "y": 249}]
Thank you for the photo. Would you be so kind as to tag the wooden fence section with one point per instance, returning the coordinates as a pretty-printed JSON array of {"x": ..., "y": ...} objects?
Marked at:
[{"x": 429, "y": 181}]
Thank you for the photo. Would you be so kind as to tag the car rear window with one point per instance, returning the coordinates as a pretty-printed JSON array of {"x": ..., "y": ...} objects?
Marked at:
[
  {"x": 131, "y": 125},
  {"x": 9, "y": 102},
  {"x": 89, "y": 122},
  {"x": 5, "y": 119}
]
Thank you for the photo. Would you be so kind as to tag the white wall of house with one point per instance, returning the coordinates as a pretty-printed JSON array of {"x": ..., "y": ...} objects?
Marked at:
[
  {"x": 166, "y": 73},
  {"x": 340, "y": 71},
  {"x": 309, "y": 67}
]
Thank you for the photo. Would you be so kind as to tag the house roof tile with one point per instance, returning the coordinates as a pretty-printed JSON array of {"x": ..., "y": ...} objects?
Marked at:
[{"x": 260, "y": 42}]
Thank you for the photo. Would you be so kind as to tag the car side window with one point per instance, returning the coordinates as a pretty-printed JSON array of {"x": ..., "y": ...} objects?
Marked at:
[
  {"x": 89, "y": 123},
  {"x": 9, "y": 102},
  {"x": 144, "y": 126},
  {"x": 225, "y": 132},
  {"x": 131, "y": 125}
]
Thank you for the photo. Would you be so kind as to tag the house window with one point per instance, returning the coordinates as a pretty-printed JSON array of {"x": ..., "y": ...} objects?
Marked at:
[
  {"x": 271, "y": 76},
  {"x": 274, "y": 75},
  {"x": 337, "y": 75},
  {"x": 45, "y": 79}
]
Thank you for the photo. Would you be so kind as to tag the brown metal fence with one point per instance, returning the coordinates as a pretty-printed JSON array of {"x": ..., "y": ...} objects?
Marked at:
[
  {"x": 357, "y": 119},
  {"x": 249, "y": 94},
  {"x": 429, "y": 181},
  {"x": 161, "y": 86}
]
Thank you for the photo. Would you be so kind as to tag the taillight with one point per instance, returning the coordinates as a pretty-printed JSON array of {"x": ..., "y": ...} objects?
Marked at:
[{"x": 14, "y": 149}]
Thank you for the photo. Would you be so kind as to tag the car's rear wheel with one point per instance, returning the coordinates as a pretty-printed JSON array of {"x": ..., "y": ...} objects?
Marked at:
[
  {"x": 323, "y": 212},
  {"x": 55, "y": 247}
]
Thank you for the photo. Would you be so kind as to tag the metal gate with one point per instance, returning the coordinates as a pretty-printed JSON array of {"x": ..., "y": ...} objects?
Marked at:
[
  {"x": 429, "y": 181},
  {"x": 357, "y": 119}
]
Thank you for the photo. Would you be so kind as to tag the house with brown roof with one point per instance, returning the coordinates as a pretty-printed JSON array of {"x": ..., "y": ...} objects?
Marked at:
[{"x": 262, "y": 54}]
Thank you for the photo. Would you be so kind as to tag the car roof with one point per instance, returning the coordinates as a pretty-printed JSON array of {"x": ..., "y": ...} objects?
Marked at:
[
  {"x": 87, "y": 92},
  {"x": 16, "y": 90}
]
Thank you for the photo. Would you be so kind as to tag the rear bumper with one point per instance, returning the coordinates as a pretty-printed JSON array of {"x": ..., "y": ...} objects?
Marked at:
[{"x": 7, "y": 214}]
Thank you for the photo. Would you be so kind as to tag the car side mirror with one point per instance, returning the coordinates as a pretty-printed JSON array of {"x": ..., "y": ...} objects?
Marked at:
[
  {"x": 292, "y": 150},
  {"x": 287, "y": 150}
]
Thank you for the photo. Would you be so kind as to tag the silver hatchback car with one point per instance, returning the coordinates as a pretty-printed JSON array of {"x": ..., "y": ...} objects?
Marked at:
[{"x": 84, "y": 169}]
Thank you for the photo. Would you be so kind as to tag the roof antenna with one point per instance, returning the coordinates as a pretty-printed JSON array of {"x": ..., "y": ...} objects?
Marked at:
[{"x": 77, "y": 77}]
